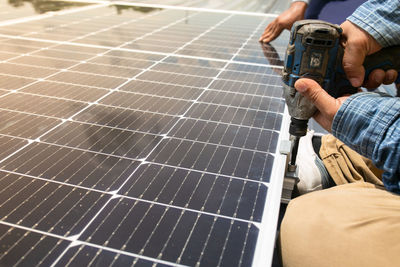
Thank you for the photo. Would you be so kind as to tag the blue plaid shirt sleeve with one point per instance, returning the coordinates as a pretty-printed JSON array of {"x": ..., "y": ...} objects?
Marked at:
[
  {"x": 381, "y": 19},
  {"x": 369, "y": 123}
]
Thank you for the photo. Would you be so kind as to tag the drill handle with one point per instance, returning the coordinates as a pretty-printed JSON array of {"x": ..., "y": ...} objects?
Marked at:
[{"x": 386, "y": 58}]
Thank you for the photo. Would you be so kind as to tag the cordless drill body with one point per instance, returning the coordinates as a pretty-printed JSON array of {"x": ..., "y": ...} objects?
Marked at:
[{"x": 315, "y": 52}]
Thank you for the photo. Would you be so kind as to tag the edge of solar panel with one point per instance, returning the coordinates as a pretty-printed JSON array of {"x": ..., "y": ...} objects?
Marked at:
[{"x": 266, "y": 237}]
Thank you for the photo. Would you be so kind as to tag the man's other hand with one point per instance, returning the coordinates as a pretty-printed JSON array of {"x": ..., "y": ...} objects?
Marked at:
[{"x": 285, "y": 20}]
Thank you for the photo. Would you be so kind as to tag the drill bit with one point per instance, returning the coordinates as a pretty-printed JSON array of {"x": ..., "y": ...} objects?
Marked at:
[{"x": 295, "y": 148}]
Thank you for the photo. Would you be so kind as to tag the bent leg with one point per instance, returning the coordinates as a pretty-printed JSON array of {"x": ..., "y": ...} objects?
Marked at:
[
  {"x": 355, "y": 224},
  {"x": 345, "y": 165}
]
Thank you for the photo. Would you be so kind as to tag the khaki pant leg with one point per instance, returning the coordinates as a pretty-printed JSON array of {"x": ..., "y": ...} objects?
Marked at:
[
  {"x": 355, "y": 224},
  {"x": 345, "y": 165}
]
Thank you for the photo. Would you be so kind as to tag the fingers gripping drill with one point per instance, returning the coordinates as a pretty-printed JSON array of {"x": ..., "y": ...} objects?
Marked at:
[{"x": 314, "y": 51}]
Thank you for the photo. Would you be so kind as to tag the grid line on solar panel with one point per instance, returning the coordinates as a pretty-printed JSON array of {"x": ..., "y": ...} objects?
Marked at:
[
  {"x": 12, "y": 45},
  {"x": 43, "y": 62},
  {"x": 92, "y": 139},
  {"x": 161, "y": 89},
  {"x": 10, "y": 144},
  {"x": 92, "y": 255},
  {"x": 151, "y": 224},
  {"x": 6, "y": 55},
  {"x": 235, "y": 115},
  {"x": 23, "y": 125},
  {"x": 209, "y": 193},
  {"x": 84, "y": 167},
  {"x": 100, "y": 28},
  {"x": 36, "y": 104},
  {"x": 35, "y": 26},
  {"x": 3, "y": 92},
  {"x": 126, "y": 119},
  {"x": 84, "y": 79},
  {"x": 103, "y": 29},
  {"x": 110, "y": 141},
  {"x": 48, "y": 76},
  {"x": 183, "y": 43},
  {"x": 81, "y": 45},
  {"x": 26, "y": 247},
  {"x": 102, "y": 80},
  {"x": 190, "y": 70},
  {"x": 53, "y": 63},
  {"x": 146, "y": 102},
  {"x": 143, "y": 122},
  {"x": 211, "y": 158},
  {"x": 28, "y": 71},
  {"x": 14, "y": 82},
  {"x": 66, "y": 209},
  {"x": 65, "y": 91},
  {"x": 246, "y": 88},
  {"x": 111, "y": 100},
  {"x": 84, "y": 68},
  {"x": 226, "y": 134}
]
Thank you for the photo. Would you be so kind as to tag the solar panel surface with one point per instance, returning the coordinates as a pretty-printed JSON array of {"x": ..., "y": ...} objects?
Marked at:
[{"x": 138, "y": 136}]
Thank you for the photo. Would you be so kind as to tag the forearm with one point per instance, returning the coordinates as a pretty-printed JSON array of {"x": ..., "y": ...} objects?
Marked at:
[
  {"x": 370, "y": 124},
  {"x": 381, "y": 19}
]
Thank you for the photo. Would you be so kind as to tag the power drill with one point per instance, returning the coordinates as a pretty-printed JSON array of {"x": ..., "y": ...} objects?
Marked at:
[{"x": 314, "y": 51}]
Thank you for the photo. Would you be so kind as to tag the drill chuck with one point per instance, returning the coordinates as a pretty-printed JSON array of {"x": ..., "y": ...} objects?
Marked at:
[{"x": 298, "y": 127}]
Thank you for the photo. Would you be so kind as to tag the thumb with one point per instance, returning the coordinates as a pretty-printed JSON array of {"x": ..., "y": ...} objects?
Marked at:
[{"x": 310, "y": 89}]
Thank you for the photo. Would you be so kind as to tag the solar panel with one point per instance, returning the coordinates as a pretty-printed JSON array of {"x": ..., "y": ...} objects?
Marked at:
[{"x": 139, "y": 136}]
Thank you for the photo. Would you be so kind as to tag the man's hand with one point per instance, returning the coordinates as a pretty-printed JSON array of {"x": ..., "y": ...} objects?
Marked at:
[
  {"x": 327, "y": 106},
  {"x": 285, "y": 20},
  {"x": 357, "y": 45}
]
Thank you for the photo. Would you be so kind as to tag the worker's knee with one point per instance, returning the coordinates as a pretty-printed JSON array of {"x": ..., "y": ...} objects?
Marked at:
[{"x": 329, "y": 228}]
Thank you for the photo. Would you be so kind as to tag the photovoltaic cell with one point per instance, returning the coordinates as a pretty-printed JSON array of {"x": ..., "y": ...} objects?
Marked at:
[
  {"x": 172, "y": 234},
  {"x": 226, "y": 134},
  {"x": 171, "y": 186},
  {"x": 40, "y": 105},
  {"x": 44, "y": 62},
  {"x": 65, "y": 91},
  {"x": 123, "y": 118},
  {"x": 25, "y": 125},
  {"x": 89, "y": 255},
  {"x": 9, "y": 145},
  {"x": 53, "y": 208},
  {"x": 29, "y": 71},
  {"x": 23, "y": 247},
  {"x": 137, "y": 136},
  {"x": 161, "y": 105},
  {"x": 162, "y": 89},
  {"x": 71, "y": 166}
]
